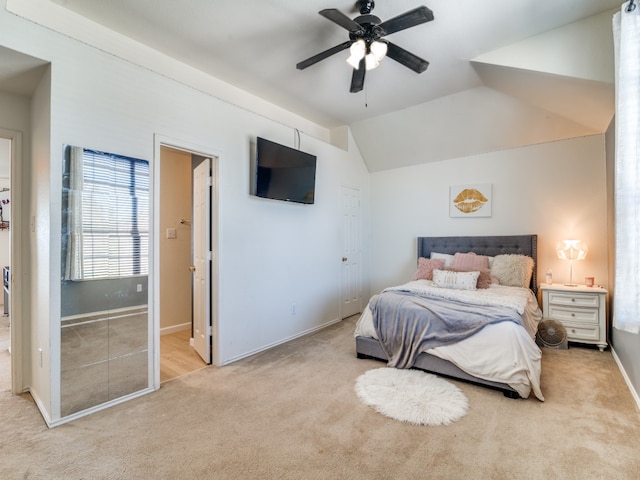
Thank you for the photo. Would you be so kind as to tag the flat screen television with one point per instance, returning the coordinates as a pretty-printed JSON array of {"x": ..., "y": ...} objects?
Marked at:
[{"x": 284, "y": 173}]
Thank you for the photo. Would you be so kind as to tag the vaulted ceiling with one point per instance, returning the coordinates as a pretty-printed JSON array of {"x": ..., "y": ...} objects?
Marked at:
[{"x": 502, "y": 73}]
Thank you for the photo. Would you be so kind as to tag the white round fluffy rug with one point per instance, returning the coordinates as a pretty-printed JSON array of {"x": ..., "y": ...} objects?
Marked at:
[{"x": 412, "y": 396}]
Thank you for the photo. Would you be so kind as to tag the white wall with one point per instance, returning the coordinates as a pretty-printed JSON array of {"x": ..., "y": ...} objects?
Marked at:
[
  {"x": 44, "y": 270},
  {"x": 555, "y": 190},
  {"x": 271, "y": 254}
]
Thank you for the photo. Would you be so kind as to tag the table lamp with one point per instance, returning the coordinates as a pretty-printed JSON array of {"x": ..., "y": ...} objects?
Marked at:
[{"x": 571, "y": 250}]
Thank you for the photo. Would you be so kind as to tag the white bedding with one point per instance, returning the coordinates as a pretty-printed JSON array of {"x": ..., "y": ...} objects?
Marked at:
[{"x": 503, "y": 352}]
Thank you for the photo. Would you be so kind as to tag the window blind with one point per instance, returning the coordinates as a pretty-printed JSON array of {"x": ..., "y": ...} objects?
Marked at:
[{"x": 115, "y": 216}]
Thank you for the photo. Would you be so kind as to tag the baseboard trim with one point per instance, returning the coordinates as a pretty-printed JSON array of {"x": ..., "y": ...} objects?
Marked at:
[
  {"x": 98, "y": 408},
  {"x": 175, "y": 328},
  {"x": 40, "y": 405},
  {"x": 280, "y": 342},
  {"x": 634, "y": 394}
]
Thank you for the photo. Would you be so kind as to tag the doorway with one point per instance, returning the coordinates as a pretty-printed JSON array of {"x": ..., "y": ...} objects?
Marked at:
[
  {"x": 185, "y": 290},
  {"x": 13, "y": 170},
  {"x": 5, "y": 263}
]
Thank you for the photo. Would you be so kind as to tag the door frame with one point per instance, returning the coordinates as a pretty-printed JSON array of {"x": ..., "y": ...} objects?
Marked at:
[
  {"x": 154, "y": 291},
  {"x": 19, "y": 340}
]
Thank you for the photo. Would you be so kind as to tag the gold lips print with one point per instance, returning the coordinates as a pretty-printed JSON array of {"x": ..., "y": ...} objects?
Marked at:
[{"x": 469, "y": 200}]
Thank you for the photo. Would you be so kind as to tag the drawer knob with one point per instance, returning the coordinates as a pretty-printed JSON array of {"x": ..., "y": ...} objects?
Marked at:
[
  {"x": 573, "y": 314},
  {"x": 573, "y": 299}
]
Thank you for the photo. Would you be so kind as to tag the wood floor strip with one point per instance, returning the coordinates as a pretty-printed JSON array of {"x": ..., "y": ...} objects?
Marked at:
[{"x": 177, "y": 357}]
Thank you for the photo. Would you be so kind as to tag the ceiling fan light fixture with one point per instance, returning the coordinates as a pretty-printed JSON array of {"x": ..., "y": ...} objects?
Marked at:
[
  {"x": 357, "y": 50},
  {"x": 378, "y": 50},
  {"x": 367, "y": 48},
  {"x": 370, "y": 61}
]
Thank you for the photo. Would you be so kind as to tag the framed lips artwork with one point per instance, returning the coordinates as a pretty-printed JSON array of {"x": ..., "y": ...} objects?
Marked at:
[{"x": 470, "y": 200}]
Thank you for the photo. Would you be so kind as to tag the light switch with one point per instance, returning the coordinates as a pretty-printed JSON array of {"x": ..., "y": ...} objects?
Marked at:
[{"x": 171, "y": 233}]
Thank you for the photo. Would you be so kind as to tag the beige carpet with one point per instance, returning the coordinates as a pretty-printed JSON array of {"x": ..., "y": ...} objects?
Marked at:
[{"x": 291, "y": 413}]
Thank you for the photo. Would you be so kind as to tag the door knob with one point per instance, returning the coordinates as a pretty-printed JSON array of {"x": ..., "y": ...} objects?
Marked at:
[
  {"x": 192, "y": 268},
  {"x": 344, "y": 259}
]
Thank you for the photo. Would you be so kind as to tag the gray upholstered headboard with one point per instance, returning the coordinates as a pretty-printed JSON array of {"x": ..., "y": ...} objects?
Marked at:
[{"x": 492, "y": 246}]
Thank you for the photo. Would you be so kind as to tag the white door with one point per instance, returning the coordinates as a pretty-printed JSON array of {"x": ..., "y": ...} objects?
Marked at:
[
  {"x": 351, "y": 299},
  {"x": 202, "y": 260}
]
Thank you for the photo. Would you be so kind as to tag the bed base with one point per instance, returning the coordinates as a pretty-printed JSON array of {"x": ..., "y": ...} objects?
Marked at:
[{"x": 369, "y": 348}]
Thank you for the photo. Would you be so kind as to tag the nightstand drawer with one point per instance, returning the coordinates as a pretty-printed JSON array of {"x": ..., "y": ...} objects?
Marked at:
[
  {"x": 574, "y": 299},
  {"x": 582, "y": 332},
  {"x": 573, "y": 315}
]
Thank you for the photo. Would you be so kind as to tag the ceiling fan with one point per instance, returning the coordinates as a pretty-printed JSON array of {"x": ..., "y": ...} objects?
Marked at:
[{"x": 365, "y": 42}]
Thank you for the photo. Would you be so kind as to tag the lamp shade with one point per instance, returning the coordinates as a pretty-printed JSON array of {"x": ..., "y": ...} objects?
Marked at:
[
  {"x": 357, "y": 51},
  {"x": 377, "y": 51},
  {"x": 571, "y": 250},
  {"x": 370, "y": 61}
]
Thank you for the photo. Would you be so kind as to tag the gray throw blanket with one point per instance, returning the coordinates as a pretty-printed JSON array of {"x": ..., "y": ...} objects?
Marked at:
[{"x": 408, "y": 324}]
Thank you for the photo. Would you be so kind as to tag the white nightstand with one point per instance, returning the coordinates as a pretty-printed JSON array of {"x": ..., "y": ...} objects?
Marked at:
[{"x": 582, "y": 310}]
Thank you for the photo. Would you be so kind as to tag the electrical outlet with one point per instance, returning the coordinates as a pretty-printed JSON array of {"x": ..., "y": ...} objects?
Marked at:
[
  {"x": 139, "y": 287},
  {"x": 171, "y": 233}
]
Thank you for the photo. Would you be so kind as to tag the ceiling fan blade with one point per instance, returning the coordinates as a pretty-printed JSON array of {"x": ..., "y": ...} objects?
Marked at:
[
  {"x": 341, "y": 19},
  {"x": 357, "y": 79},
  {"x": 322, "y": 55},
  {"x": 406, "y": 58},
  {"x": 406, "y": 20}
]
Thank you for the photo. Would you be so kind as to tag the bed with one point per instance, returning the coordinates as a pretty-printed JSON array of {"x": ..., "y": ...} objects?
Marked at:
[{"x": 500, "y": 354}]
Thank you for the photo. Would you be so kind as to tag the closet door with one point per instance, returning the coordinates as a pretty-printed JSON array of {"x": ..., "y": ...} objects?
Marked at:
[
  {"x": 202, "y": 260},
  {"x": 104, "y": 294},
  {"x": 350, "y": 287}
]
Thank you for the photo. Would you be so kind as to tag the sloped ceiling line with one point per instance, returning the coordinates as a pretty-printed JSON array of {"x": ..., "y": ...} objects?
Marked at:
[{"x": 541, "y": 89}]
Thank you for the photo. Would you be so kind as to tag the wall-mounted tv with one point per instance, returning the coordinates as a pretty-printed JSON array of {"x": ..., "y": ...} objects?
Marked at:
[{"x": 284, "y": 173}]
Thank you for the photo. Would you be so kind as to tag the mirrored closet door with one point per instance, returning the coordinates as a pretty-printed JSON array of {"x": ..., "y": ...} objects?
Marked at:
[{"x": 105, "y": 265}]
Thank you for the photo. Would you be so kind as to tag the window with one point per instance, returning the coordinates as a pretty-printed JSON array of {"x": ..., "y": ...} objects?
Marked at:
[
  {"x": 626, "y": 303},
  {"x": 107, "y": 216}
]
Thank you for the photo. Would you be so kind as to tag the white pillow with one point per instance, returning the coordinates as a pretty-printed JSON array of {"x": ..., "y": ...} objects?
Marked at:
[
  {"x": 513, "y": 270},
  {"x": 455, "y": 280},
  {"x": 448, "y": 259}
]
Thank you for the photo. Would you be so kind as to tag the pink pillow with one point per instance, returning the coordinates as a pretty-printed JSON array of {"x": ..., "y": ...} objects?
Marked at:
[
  {"x": 470, "y": 262},
  {"x": 485, "y": 279},
  {"x": 426, "y": 267}
]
